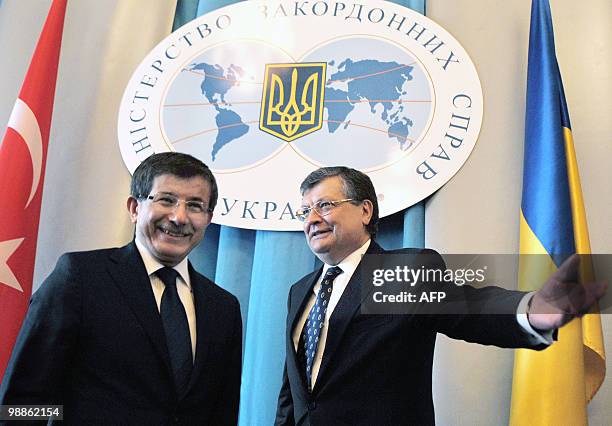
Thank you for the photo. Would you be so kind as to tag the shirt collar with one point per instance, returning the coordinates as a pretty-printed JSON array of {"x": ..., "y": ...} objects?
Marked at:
[
  {"x": 350, "y": 262},
  {"x": 152, "y": 265}
]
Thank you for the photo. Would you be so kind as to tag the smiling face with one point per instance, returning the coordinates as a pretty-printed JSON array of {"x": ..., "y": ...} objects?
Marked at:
[
  {"x": 336, "y": 235},
  {"x": 171, "y": 233}
]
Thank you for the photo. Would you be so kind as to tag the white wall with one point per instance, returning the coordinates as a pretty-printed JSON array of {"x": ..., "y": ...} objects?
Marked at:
[{"x": 478, "y": 210}]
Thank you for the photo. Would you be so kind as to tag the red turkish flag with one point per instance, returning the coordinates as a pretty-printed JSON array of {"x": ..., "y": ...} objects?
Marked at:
[{"x": 23, "y": 155}]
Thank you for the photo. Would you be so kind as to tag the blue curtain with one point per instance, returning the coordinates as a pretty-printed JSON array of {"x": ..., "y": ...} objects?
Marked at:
[
  {"x": 186, "y": 10},
  {"x": 259, "y": 267}
]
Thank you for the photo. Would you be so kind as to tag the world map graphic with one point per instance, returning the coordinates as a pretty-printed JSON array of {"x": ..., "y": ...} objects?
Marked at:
[{"x": 382, "y": 101}]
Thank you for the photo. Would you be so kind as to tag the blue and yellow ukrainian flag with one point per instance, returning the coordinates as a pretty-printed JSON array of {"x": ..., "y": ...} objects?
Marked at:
[{"x": 553, "y": 387}]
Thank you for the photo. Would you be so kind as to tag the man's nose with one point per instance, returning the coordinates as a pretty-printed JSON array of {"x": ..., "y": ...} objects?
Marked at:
[
  {"x": 313, "y": 217},
  {"x": 179, "y": 213}
]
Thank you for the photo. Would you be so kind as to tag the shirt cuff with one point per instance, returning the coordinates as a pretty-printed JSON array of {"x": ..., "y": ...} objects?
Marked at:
[{"x": 535, "y": 337}]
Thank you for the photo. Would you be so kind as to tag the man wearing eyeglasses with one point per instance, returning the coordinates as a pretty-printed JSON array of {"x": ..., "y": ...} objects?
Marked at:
[
  {"x": 134, "y": 335},
  {"x": 343, "y": 367}
]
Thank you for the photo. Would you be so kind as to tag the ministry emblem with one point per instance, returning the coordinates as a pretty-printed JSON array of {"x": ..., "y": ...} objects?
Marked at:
[
  {"x": 266, "y": 92},
  {"x": 292, "y": 99}
]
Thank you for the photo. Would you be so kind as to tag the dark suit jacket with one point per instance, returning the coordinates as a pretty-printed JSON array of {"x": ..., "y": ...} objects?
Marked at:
[
  {"x": 93, "y": 341},
  {"x": 376, "y": 369}
]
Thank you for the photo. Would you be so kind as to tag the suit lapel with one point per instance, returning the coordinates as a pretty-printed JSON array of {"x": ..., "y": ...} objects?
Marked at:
[
  {"x": 129, "y": 274},
  {"x": 300, "y": 295},
  {"x": 206, "y": 317},
  {"x": 343, "y": 314}
]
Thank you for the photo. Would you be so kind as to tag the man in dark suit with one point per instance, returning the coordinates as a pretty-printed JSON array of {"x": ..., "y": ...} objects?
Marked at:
[
  {"x": 344, "y": 367},
  {"x": 134, "y": 335}
]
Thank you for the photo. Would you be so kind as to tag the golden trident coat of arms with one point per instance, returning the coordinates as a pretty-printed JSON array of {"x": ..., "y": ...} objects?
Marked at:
[{"x": 292, "y": 99}]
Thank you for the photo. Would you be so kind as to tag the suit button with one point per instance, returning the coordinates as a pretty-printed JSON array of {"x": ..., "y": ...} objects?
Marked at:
[{"x": 312, "y": 405}]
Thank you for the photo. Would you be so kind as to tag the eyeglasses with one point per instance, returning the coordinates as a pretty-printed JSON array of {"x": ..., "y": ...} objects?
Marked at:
[
  {"x": 169, "y": 201},
  {"x": 323, "y": 208}
]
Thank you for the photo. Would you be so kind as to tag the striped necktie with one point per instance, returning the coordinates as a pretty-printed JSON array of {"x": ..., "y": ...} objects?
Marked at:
[{"x": 316, "y": 318}]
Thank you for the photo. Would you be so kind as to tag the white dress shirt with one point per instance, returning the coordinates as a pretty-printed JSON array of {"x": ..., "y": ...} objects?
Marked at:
[
  {"x": 183, "y": 286},
  {"x": 348, "y": 266}
]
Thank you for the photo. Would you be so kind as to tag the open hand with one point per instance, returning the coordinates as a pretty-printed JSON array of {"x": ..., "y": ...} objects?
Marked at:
[{"x": 563, "y": 298}]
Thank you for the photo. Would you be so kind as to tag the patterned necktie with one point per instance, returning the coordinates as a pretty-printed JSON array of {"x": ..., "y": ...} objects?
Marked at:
[
  {"x": 176, "y": 328},
  {"x": 316, "y": 318}
]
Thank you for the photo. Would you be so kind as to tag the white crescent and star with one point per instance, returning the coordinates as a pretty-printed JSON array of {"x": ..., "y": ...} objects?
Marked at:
[
  {"x": 7, "y": 277},
  {"x": 24, "y": 122}
]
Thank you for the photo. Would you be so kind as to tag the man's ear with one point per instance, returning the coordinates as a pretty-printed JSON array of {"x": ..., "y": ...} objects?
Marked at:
[
  {"x": 367, "y": 208},
  {"x": 132, "y": 206}
]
